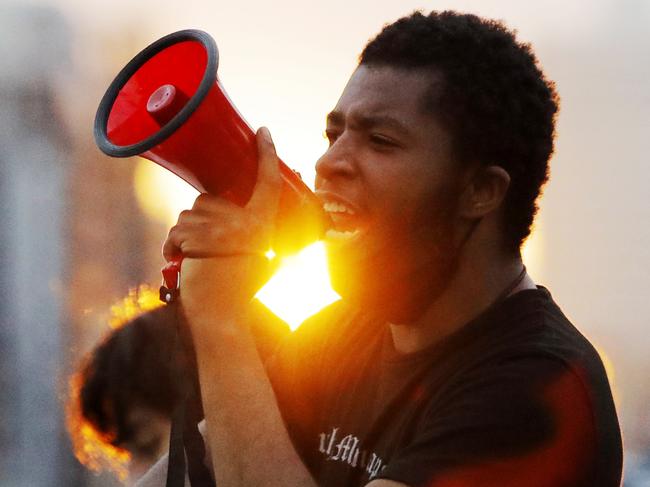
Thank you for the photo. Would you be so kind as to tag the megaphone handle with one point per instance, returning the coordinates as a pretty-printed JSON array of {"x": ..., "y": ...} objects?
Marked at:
[{"x": 171, "y": 285}]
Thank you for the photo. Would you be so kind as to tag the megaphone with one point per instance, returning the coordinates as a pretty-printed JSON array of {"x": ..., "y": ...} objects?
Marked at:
[{"x": 168, "y": 105}]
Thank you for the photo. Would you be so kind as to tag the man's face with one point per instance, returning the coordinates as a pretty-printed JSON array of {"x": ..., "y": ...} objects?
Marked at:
[{"x": 390, "y": 184}]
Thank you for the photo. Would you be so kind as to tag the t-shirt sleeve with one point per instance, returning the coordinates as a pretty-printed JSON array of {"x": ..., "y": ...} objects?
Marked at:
[{"x": 520, "y": 422}]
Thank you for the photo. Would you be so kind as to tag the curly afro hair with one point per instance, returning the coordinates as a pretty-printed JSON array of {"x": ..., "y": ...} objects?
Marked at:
[{"x": 493, "y": 99}]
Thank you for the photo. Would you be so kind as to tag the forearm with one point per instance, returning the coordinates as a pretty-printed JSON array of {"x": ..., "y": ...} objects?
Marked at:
[
  {"x": 248, "y": 440},
  {"x": 224, "y": 246}
]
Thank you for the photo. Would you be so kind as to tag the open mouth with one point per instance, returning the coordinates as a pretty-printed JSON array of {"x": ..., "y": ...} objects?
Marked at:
[{"x": 345, "y": 222}]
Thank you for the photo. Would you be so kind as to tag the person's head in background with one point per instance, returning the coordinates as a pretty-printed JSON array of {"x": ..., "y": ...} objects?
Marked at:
[{"x": 123, "y": 397}]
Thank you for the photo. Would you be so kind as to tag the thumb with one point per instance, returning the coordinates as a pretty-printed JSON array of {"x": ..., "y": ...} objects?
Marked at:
[{"x": 266, "y": 195}]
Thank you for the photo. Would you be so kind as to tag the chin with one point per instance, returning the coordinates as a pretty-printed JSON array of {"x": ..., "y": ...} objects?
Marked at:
[{"x": 392, "y": 289}]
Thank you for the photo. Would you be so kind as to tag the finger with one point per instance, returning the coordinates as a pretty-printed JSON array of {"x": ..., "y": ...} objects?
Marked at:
[
  {"x": 194, "y": 218},
  {"x": 266, "y": 196},
  {"x": 202, "y": 200},
  {"x": 194, "y": 240},
  {"x": 197, "y": 237},
  {"x": 208, "y": 204},
  {"x": 171, "y": 247}
]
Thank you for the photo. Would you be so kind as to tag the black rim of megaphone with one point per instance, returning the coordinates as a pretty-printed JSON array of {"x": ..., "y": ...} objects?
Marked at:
[{"x": 105, "y": 106}]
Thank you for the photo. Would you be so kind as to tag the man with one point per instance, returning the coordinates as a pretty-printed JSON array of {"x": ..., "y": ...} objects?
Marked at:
[{"x": 444, "y": 365}]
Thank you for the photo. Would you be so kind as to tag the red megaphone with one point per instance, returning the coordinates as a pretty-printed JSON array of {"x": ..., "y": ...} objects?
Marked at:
[{"x": 168, "y": 106}]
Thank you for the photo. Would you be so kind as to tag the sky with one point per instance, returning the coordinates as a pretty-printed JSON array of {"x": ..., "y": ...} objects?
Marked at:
[{"x": 284, "y": 63}]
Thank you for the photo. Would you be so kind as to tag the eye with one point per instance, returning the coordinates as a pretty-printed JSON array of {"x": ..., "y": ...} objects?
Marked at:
[
  {"x": 382, "y": 141},
  {"x": 331, "y": 136}
]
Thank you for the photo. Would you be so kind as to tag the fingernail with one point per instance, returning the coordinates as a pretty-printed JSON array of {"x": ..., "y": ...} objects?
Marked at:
[{"x": 266, "y": 134}]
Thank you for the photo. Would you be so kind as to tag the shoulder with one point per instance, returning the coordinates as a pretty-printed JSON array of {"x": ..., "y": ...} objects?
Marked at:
[
  {"x": 504, "y": 424},
  {"x": 529, "y": 343},
  {"x": 531, "y": 385},
  {"x": 530, "y": 324}
]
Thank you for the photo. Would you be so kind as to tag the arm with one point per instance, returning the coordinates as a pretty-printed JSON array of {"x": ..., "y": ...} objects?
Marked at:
[
  {"x": 224, "y": 246},
  {"x": 247, "y": 437}
]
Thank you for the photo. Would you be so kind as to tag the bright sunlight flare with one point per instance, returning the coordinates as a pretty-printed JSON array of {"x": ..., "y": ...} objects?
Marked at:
[{"x": 300, "y": 287}]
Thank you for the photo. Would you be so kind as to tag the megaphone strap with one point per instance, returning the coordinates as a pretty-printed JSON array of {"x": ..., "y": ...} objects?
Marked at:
[{"x": 186, "y": 446}]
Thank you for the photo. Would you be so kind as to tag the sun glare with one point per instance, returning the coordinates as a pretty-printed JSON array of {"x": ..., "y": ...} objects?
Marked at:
[
  {"x": 300, "y": 287},
  {"x": 161, "y": 194}
]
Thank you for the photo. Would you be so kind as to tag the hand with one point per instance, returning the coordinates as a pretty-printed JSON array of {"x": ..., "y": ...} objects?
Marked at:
[
  {"x": 224, "y": 245},
  {"x": 216, "y": 227}
]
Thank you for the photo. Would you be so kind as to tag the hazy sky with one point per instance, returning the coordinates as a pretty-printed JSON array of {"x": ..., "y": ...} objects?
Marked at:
[{"x": 284, "y": 63}]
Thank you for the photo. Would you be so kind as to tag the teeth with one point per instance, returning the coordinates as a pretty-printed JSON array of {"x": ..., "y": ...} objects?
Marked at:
[
  {"x": 335, "y": 207},
  {"x": 336, "y": 235}
]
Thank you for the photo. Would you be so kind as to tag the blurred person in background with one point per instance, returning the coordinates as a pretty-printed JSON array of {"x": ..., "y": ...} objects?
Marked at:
[
  {"x": 444, "y": 364},
  {"x": 123, "y": 397}
]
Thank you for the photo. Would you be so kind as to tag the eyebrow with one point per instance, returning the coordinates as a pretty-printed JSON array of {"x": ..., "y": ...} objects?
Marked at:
[{"x": 367, "y": 122}]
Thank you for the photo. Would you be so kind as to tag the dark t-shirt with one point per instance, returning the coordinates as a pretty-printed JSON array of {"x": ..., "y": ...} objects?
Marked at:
[{"x": 516, "y": 397}]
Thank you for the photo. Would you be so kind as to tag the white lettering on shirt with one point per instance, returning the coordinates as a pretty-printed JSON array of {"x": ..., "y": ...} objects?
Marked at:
[{"x": 348, "y": 450}]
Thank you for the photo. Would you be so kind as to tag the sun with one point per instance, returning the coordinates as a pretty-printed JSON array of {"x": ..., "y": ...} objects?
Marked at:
[{"x": 300, "y": 287}]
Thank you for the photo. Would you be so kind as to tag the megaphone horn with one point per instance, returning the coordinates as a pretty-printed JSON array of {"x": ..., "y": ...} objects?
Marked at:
[{"x": 168, "y": 105}]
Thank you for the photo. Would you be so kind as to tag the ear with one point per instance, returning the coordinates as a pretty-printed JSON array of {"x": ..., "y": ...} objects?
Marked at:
[{"x": 485, "y": 192}]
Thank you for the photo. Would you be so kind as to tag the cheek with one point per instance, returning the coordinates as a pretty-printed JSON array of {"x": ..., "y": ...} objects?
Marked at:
[
  {"x": 415, "y": 208},
  {"x": 427, "y": 232}
]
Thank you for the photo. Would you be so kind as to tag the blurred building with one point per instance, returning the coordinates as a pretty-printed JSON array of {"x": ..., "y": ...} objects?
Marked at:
[
  {"x": 72, "y": 240},
  {"x": 33, "y": 156}
]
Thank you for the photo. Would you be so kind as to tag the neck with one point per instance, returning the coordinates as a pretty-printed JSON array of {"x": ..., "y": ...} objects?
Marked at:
[{"x": 484, "y": 274}]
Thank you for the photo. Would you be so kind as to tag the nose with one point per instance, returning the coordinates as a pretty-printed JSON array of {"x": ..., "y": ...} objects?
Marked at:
[{"x": 337, "y": 162}]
